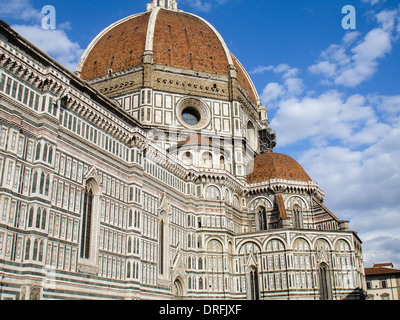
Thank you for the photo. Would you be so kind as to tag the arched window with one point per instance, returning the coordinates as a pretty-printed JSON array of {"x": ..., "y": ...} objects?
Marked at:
[
  {"x": 47, "y": 185},
  {"x": 41, "y": 185},
  {"x": 86, "y": 223},
  {"x": 137, "y": 219},
  {"x": 187, "y": 158},
  {"x": 324, "y": 282},
  {"x": 44, "y": 158},
  {"x": 207, "y": 160},
  {"x": 34, "y": 294},
  {"x": 40, "y": 251},
  {"x": 199, "y": 242},
  {"x": 178, "y": 288},
  {"x": 27, "y": 249},
  {"x": 129, "y": 245},
  {"x": 30, "y": 217},
  {"x": 222, "y": 162},
  {"x": 38, "y": 217},
  {"x": 236, "y": 202},
  {"x": 128, "y": 270},
  {"x": 38, "y": 149},
  {"x": 215, "y": 246},
  {"x": 297, "y": 217},
  {"x": 254, "y": 292},
  {"x": 50, "y": 156},
  {"x": 213, "y": 193},
  {"x": 34, "y": 181},
  {"x": 201, "y": 285},
  {"x": 263, "y": 220},
  {"x": 35, "y": 250},
  {"x": 130, "y": 218},
  {"x": 162, "y": 246},
  {"x": 43, "y": 220}
]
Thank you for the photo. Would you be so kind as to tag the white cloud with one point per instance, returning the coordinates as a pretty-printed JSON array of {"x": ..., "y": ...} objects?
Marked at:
[
  {"x": 363, "y": 186},
  {"x": 382, "y": 249},
  {"x": 350, "y": 142},
  {"x": 324, "y": 67},
  {"x": 329, "y": 116},
  {"x": 349, "y": 64},
  {"x": 272, "y": 92},
  {"x": 292, "y": 84},
  {"x": 283, "y": 69},
  {"x": 358, "y": 181},
  {"x": 203, "y": 6},
  {"x": 19, "y": 9},
  {"x": 365, "y": 58},
  {"x": 373, "y": 2},
  {"x": 387, "y": 18},
  {"x": 353, "y": 155},
  {"x": 387, "y": 105},
  {"x": 54, "y": 42},
  {"x": 350, "y": 37},
  {"x": 261, "y": 69}
]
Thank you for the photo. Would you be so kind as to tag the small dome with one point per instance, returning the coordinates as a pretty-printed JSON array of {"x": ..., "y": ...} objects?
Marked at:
[{"x": 272, "y": 165}]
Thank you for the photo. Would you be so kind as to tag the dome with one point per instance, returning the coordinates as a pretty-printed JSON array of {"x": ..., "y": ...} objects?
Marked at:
[
  {"x": 172, "y": 37},
  {"x": 118, "y": 47},
  {"x": 272, "y": 165}
]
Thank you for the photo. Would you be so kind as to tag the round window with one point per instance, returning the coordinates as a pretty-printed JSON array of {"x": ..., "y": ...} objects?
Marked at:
[
  {"x": 193, "y": 113},
  {"x": 191, "y": 116}
]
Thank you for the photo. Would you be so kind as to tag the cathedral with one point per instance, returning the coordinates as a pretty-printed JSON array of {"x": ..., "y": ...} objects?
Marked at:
[{"x": 149, "y": 174}]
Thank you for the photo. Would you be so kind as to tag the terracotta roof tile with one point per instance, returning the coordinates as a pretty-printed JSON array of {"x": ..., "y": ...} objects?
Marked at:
[
  {"x": 183, "y": 41},
  {"x": 272, "y": 165},
  {"x": 122, "y": 47},
  {"x": 380, "y": 271}
]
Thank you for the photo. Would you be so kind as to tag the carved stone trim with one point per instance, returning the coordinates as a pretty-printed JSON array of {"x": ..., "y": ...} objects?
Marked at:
[{"x": 88, "y": 268}]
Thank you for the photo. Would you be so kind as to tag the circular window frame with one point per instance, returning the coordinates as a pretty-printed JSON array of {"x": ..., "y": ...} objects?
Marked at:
[
  {"x": 194, "y": 114},
  {"x": 198, "y": 105}
]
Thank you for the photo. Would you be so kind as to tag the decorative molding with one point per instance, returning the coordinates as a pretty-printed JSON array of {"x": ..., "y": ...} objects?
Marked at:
[{"x": 88, "y": 268}]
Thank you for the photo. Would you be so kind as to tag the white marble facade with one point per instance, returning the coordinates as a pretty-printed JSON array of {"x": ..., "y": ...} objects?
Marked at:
[{"x": 93, "y": 205}]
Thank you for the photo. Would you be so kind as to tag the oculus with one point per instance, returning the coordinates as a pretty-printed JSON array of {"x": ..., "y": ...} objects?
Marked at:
[{"x": 193, "y": 113}]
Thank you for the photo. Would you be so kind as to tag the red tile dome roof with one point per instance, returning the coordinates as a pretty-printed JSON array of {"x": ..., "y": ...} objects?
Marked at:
[
  {"x": 119, "y": 47},
  {"x": 175, "y": 38},
  {"x": 272, "y": 165}
]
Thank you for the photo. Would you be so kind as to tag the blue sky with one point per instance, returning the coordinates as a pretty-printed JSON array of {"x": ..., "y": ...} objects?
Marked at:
[{"x": 332, "y": 95}]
